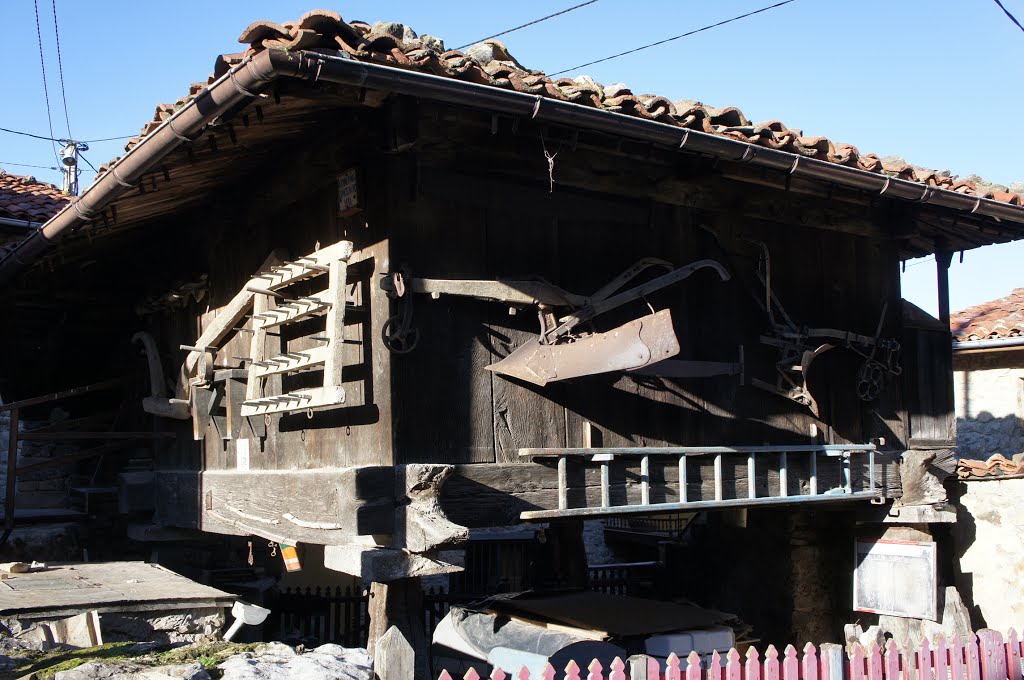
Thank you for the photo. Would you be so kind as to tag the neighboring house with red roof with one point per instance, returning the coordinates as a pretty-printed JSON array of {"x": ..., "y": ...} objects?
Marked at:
[
  {"x": 25, "y": 204},
  {"x": 988, "y": 364}
]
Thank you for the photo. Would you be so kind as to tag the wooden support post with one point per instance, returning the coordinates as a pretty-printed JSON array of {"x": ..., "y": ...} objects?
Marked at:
[
  {"x": 943, "y": 258},
  {"x": 12, "y": 477},
  {"x": 566, "y": 561},
  {"x": 396, "y": 609},
  {"x": 393, "y": 656}
]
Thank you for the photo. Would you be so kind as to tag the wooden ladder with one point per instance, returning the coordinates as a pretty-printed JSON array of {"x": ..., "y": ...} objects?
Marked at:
[{"x": 273, "y": 309}]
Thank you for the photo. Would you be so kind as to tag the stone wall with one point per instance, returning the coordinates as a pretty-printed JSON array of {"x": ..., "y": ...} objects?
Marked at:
[
  {"x": 990, "y": 544},
  {"x": 989, "y": 392},
  {"x": 45, "y": 488}
]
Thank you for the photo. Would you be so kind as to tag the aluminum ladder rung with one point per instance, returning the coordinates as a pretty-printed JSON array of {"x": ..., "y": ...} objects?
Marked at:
[{"x": 606, "y": 456}]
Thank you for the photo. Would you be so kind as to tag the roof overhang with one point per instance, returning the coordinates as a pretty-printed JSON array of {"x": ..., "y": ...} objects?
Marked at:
[{"x": 246, "y": 81}]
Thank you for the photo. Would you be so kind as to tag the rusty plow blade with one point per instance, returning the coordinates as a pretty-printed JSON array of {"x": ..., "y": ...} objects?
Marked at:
[{"x": 633, "y": 345}]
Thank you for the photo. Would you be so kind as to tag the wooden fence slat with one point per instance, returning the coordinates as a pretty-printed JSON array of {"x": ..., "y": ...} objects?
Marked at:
[
  {"x": 972, "y": 658},
  {"x": 572, "y": 670},
  {"x": 992, "y": 652},
  {"x": 498, "y": 674},
  {"x": 675, "y": 670},
  {"x": 940, "y": 658},
  {"x": 957, "y": 666},
  {"x": 891, "y": 664},
  {"x": 831, "y": 659},
  {"x": 547, "y": 674},
  {"x": 1012, "y": 656},
  {"x": 925, "y": 662},
  {"x": 771, "y": 663},
  {"x": 856, "y": 665},
  {"x": 471, "y": 674},
  {"x": 618, "y": 669},
  {"x": 875, "y": 663},
  {"x": 596, "y": 670},
  {"x": 810, "y": 662},
  {"x": 752, "y": 670},
  {"x": 445, "y": 675},
  {"x": 733, "y": 665},
  {"x": 790, "y": 664},
  {"x": 715, "y": 668},
  {"x": 524, "y": 673}
]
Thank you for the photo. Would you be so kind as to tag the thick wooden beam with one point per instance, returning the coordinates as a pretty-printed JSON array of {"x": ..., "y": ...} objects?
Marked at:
[{"x": 327, "y": 506}]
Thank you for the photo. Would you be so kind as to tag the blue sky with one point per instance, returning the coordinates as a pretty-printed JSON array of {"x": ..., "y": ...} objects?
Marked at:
[{"x": 934, "y": 81}]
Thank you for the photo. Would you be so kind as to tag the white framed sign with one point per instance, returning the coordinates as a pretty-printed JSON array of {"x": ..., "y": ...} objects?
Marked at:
[{"x": 898, "y": 578}]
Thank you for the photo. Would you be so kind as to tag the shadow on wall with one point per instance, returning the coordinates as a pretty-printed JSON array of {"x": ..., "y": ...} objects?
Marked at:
[
  {"x": 965, "y": 533},
  {"x": 986, "y": 434}
]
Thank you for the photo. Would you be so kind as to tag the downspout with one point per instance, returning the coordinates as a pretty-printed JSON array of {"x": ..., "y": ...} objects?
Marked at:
[{"x": 246, "y": 80}]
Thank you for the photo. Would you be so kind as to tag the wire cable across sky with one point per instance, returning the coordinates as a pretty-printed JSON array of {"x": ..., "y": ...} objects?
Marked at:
[
  {"x": 531, "y": 23},
  {"x": 676, "y": 37},
  {"x": 1007, "y": 13},
  {"x": 46, "y": 90}
]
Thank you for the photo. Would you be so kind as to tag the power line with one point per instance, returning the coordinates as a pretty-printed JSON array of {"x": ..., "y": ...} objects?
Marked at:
[
  {"x": 46, "y": 91},
  {"x": 677, "y": 37},
  {"x": 87, "y": 161},
  {"x": 60, "y": 68},
  {"x": 53, "y": 139},
  {"x": 29, "y": 134},
  {"x": 531, "y": 23},
  {"x": 1007, "y": 12},
  {"x": 108, "y": 139},
  {"x": 26, "y": 165}
]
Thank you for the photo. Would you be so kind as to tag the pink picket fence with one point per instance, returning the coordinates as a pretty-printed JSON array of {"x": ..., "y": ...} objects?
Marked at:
[{"x": 983, "y": 656}]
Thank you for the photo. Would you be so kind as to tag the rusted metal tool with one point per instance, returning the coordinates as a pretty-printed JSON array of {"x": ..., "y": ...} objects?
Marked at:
[{"x": 558, "y": 352}]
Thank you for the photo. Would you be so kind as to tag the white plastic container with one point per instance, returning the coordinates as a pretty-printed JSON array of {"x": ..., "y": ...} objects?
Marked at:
[{"x": 704, "y": 641}]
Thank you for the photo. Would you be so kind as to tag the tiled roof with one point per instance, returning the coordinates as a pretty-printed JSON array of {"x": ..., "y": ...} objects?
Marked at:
[
  {"x": 23, "y": 197},
  {"x": 996, "y": 466},
  {"x": 490, "y": 63},
  {"x": 1002, "y": 318}
]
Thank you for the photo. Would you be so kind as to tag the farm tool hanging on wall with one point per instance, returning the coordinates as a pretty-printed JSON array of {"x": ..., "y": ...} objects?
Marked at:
[
  {"x": 800, "y": 346},
  {"x": 559, "y": 352}
]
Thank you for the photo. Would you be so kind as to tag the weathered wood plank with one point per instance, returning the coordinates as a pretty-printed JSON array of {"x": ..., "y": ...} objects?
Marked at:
[{"x": 326, "y": 506}]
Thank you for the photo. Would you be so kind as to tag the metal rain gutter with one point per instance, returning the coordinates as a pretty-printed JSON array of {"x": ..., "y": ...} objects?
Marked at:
[
  {"x": 991, "y": 343},
  {"x": 24, "y": 224},
  {"x": 246, "y": 79},
  {"x": 243, "y": 81}
]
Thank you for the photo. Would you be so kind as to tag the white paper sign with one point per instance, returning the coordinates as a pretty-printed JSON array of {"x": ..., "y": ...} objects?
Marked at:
[
  {"x": 242, "y": 454},
  {"x": 896, "y": 578}
]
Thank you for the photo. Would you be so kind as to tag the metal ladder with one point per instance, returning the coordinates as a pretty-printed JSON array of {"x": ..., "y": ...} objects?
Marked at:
[
  {"x": 839, "y": 453},
  {"x": 271, "y": 308}
]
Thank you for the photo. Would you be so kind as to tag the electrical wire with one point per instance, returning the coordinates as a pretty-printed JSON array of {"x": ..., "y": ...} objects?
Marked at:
[
  {"x": 1007, "y": 13},
  {"x": 531, "y": 23},
  {"x": 26, "y": 165},
  {"x": 109, "y": 139},
  {"x": 60, "y": 68},
  {"x": 46, "y": 91},
  {"x": 52, "y": 139},
  {"x": 677, "y": 37},
  {"x": 82, "y": 156},
  {"x": 29, "y": 134}
]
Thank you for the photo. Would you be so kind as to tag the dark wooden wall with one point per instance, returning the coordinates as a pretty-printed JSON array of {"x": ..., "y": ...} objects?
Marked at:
[{"x": 480, "y": 206}]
